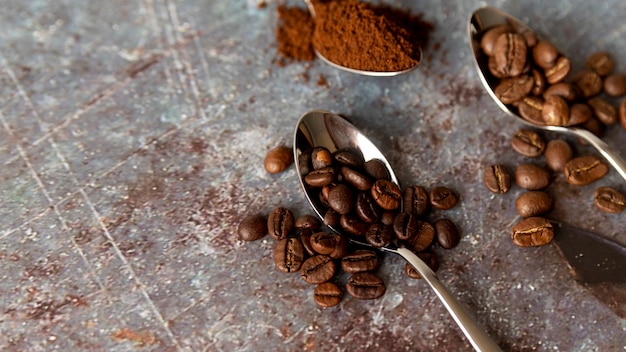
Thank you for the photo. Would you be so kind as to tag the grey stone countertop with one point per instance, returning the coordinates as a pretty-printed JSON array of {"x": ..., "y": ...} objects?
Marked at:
[{"x": 132, "y": 141}]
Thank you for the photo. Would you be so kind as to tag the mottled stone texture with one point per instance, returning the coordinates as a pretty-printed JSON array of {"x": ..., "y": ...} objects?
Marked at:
[{"x": 132, "y": 140}]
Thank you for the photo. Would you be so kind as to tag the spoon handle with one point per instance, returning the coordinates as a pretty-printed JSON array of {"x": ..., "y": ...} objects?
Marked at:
[
  {"x": 607, "y": 152},
  {"x": 474, "y": 332}
]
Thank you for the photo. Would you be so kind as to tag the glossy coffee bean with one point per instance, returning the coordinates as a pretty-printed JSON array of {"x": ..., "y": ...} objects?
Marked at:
[
  {"x": 423, "y": 239},
  {"x": 443, "y": 198},
  {"x": 532, "y": 177},
  {"x": 280, "y": 223},
  {"x": 305, "y": 237},
  {"x": 609, "y": 200},
  {"x": 360, "y": 261},
  {"x": 533, "y": 203},
  {"x": 429, "y": 258},
  {"x": 545, "y": 54},
  {"x": 589, "y": 83},
  {"x": 366, "y": 208},
  {"x": 321, "y": 158},
  {"x": 356, "y": 179},
  {"x": 594, "y": 126},
  {"x": 578, "y": 114},
  {"x": 365, "y": 286},
  {"x": 534, "y": 231},
  {"x": 341, "y": 198},
  {"x": 530, "y": 109},
  {"x": 353, "y": 225},
  {"x": 559, "y": 71},
  {"x": 289, "y": 255},
  {"x": 415, "y": 200},
  {"x": 376, "y": 169},
  {"x": 327, "y": 294},
  {"x": 565, "y": 90},
  {"x": 332, "y": 218},
  {"x": 558, "y": 153},
  {"x": 601, "y": 63},
  {"x": 497, "y": 178},
  {"x": 388, "y": 217},
  {"x": 540, "y": 82},
  {"x": 615, "y": 85},
  {"x": 386, "y": 194},
  {"x": 252, "y": 228},
  {"x": 555, "y": 111},
  {"x": 317, "y": 269},
  {"x": 510, "y": 53},
  {"x": 584, "y": 170},
  {"x": 405, "y": 225},
  {"x": 489, "y": 39},
  {"x": 512, "y": 90},
  {"x": 349, "y": 158},
  {"x": 528, "y": 143},
  {"x": 320, "y": 177},
  {"x": 331, "y": 244},
  {"x": 447, "y": 233},
  {"x": 603, "y": 110},
  {"x": 308, "y": 222},
  {"x": 379, "y": 235},
  {"x": 278, "y": 159}
]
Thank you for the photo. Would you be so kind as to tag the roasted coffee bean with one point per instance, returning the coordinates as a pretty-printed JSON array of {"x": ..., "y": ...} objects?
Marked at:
[
  {"x": 320, "y": 177},
  {"x": 353, "y": 225},
  {"x": 584, "y": 170},
  {"x": 559, "y": 71},
  {"x": 510, "y": 53},
  {"x": 488, "y": 40},
  {"x": 332, "y": 218},
  {"x": 405, "y": 225},
  {"x": 601, "y": 63},
  {"x": 349, "y": 158},
  {"x": 589, "y": 83},
  {"x": 305, "y": 237},
  {"x": 494, "y": 69},
  {"x": 579, "y": 114},
  {"x": 252, "y": 228},
  {"x": 609, "y": 200},
  {"x": 447, "y": 233},
  {"x": 366, "y": 208},
  {"x": 555, "y": 111},
  {"x": 321, "y": 157},
  {"x": 317, "y": 269},
  {"x": 278, "y": 159},
  {"x": 511, "y": 90},
  {"x": 443, "y": 198},
  {"x": 534, "y": 231},
  {"x": 530, "y": 109},
  {"x": 388, "y": 217},
  {"x": 289, "y": 255},
  {"x": 327, "y": 294},
  {"x": 423, "y": 239},
  {"x": 379, "y": 235},
  {"x": 615, "y": 85},
  {"x": 308, "y": 222},
  {"x": 429, "y": 258},
  {"x": 416, "y": 200},
  {"x": 622, "y": 113},
  {"x": 365, "y": 286},
  {"x": 540, "y": 83},
  {"x": 356, "y": 179},
  {"x": 377, "y": 169},
  {"x": 558, "y": 153},
  {"x": 594, "y": 126},
  {"x": 341, "y": 198},
  {"x": 532, "y": 177},
  {"x": 332, "y": 244},
  {"x": 280, "y": 223},
  {"x": 565, "y": 90},
  {"x": 545, "y": 54},
  {"x": 497, "y": 178},
  {"x": 603, "y": 110},
  {"x": 528, "y": 143},
  {"x": 304, "y": 162},
  {"x": 359, "y": 261},
  {"x": 533, "y": 203},
  {"x": 530, "y": 37},
  {"x": 386, "y": 194}
]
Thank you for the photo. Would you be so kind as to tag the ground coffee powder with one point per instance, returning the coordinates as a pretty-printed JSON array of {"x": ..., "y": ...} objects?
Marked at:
[{"x": 294, "y": 34}]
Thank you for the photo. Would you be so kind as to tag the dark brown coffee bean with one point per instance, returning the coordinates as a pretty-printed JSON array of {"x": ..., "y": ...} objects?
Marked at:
[
  {"x": 349, "y": 158},
  {"x": 280, "y": 223},
  {"x": 622, "y": 113},
  {"x": 356, "y": 179},
  {"x": 365, "y": 286},
  {"x": 447, "y": 233},
  {"x": 534, "y": 231},
  {"x": 278, "y": 159},
  {"x": 510, "y": 53},
  {"x": 565, "y": 90},
  {"x": 555, "y": 111},
  {"x": 379, "y": 235},
  {"x": 559, "y": 71},
  {"x": 289, "y": 255},
  {"x": 305, "y": 237},
  {"x": 443, "y": 198},
  {"x": 360, "y": 261},
  {"x": 589, "y": 83},
  {"x": 530, "y": 109},
  {"x": 615, "y": 85},
  {"x": 320, "y": 177},
  {"x": 353, "y": 225},
  {"x": 388, "y": 217},
  {"x": 366, "y": 208},
  {"x": 497, "y": 178},
  {"x": 558, "y": 153},
  {"x": 332, "y": 244},
  {"x": 545, "y": 54},
  {"x": 594, "y": 126},
  {"x": 584, "y": 170},
  {"x": 304, "y": 162},
  {"x": 317, "y": 269},
  {"x": 540, "y": 83},
  {"x": 579, "y": 114},
  {"x": 341, "y": 199},
  {"x": 512, "y": 90},
  {"x": 308, "y": 222},
  {"x": 252, "y": 228},
  {"x": 528, "y": 143},
  {"x": 533, "y": 203},
  {"x": 327, "y": 294},
  {"x": 603, "y": 110},
  {"x": 332, "y": 218},
  {"x": 532, "y": 177},
  {"x": 488, "y": 40},
  {"x": 423, "y": 239},
  {"x": 609, "y": 200},
  {"x": 386, "y": 194},
  {"x": 405, "y": 225},
  {"x": 416, "y": 200},
  {"x": 377, "y": 169},
  {"x": 601, "y": 63},
  {"x": 429, "y": 258},
  {"x": 321, "y": 158}
]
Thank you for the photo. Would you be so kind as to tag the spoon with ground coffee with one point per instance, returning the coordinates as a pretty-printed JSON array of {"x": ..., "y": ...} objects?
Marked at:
[
  {"x": 320, "y": 128},
  {"x": 518, "y": 98},
  {"x": 353, "y": 37}
]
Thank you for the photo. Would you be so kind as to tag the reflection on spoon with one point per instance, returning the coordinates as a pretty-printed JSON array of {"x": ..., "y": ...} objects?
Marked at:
[
  {"x": 487, "y": 17},
  {"x": 322, "y": 128}
]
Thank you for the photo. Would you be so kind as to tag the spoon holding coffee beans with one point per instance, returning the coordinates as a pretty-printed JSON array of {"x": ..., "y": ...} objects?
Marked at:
[
  {"x": 526, "y": 77},
  {"x": 342, "y": 173}
]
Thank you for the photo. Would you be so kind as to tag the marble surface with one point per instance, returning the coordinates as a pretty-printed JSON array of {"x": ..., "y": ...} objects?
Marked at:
[{"x": 132, "y": 141}]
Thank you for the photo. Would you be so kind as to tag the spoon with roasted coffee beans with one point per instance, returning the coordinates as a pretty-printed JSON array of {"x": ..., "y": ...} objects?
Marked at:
[
  {"x": 526, "y": 77},
  {"x": 321, "y": 137}
]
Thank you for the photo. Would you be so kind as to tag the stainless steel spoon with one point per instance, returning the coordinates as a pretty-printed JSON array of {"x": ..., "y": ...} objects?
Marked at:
[
  {"x": 309, "y": 5},
  {"x": 487, "y": 17},
  {"x": 323, "y": 128}
]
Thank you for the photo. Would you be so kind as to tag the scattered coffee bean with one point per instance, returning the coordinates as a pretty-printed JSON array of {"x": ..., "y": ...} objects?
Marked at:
[
  {"x": 603, "y": 110},
  {"x": 528, "y": 143},
  {"x": 252, "y": 228},
  {"x": 353, "y": 225},
  {"x": 405, "y": 225},
  {"x": 533, "y": 203},
  {"x": 308, "y": 222},
  {"x": 416, "y": 200},
  {"x": 379, "y": 235},
  {"x": 331, "y": 244},
  {"x": 584, "y": 170},
  {"x": 615, "y": 85},
  {"x": 609, "y": 200},
  {"x": 365, "y": 285},
  {"x": 497, "y": 178},
  {"x": 533, "y": 231},
  {"x": 579, "y": 113},
  {"x": 558, "y": 153},
  {"x": 317, "y": 269},
  {"x": 447, "y": 233},
  {"x": 589, "y": 83},
  {"x": 424, "y": 237},
  {"x": 305, "y": 237},
  {"x": 278, "y": 159},
  {"x": 360, "y": 261},
  {"x": 601, "y": 63},
  {"x": 387, "y": 194},
  {"x": 443, "y": 198},
  {"x": 327, "y": 294},
  {"x": 289, "y": 255},
  {"x": 532, "y": 177},
  {"x": 280, "y": 223}
]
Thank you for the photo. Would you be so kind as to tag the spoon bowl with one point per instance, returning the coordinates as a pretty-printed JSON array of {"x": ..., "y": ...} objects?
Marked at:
[
  {"x": 323, "y": 128},
  {"x": 487, "y": 17}
]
